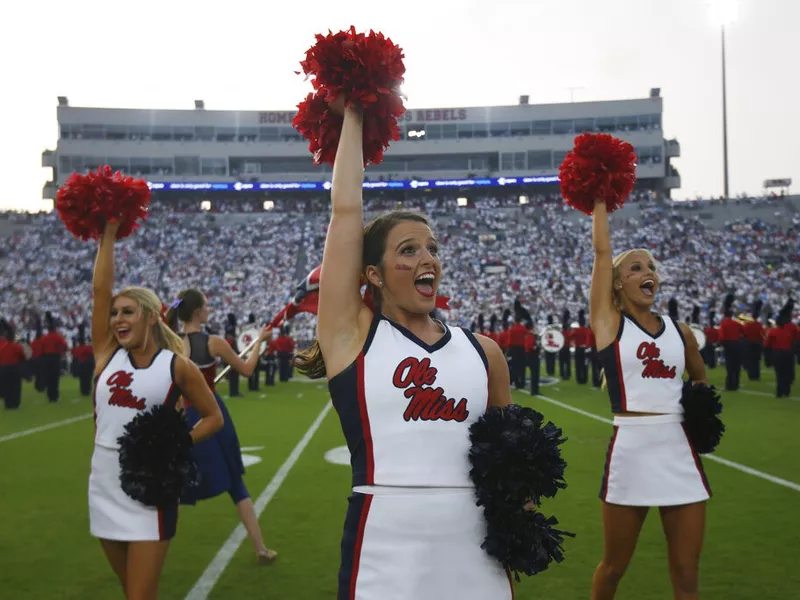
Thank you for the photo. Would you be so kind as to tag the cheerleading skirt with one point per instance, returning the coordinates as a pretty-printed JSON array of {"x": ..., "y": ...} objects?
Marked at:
[
  {"x": 425, "y": 544},
  {"x": 650, "y": 462},
  {"x": 219, "y": 460},
  {"x": 113, "y": 515}
]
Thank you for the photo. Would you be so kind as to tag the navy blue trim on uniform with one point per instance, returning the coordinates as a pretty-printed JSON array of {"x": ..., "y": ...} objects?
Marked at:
[
  {"x": 373, "y": 327},
  {"x": 647, "y": 333},
  {"x": 167, "y": 522},
  {"x": 608, "y": 358},
  {"x": 680, "y": 333},
  {"x": 430, "y": 349},
  {"x": 172, "y": 367},
  {"x": 477, "y": 345},
  {"x": 343, "y": 389},
  {"x": 351, "y": 543},
  {"x": 133, "y": 364}
]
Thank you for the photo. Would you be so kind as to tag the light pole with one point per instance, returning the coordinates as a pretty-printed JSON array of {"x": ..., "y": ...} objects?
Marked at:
[
  {"x": 724, "y": 116},
  {"x": 724, "y": 14}
]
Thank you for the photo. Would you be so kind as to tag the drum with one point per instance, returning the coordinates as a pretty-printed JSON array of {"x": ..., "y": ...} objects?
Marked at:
[
  {"x": 552, "y": 339},
  {"x": 698, "y": 335},
  {"x": 247, "y": 337}
]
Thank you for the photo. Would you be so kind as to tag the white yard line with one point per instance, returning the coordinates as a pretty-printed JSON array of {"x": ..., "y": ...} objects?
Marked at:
[
  {"x": 214, "y": 570},
  {"x": 19, "y": 434}
]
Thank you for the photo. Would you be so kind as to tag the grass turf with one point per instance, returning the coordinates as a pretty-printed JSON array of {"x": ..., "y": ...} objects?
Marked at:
[{"x": 752, "y": 536}]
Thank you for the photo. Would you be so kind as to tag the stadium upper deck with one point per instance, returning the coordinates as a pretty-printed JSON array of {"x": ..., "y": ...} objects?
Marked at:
[{"x": 208, "y": 150}]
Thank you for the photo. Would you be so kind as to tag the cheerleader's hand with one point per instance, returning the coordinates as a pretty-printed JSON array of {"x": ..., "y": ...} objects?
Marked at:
[
  {"x": 529, "y": 506},
  {"x": 265, "y": 335}
]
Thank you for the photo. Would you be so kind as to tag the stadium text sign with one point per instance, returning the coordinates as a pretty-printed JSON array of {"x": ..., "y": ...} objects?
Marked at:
[{"x": 427, "y": 115}]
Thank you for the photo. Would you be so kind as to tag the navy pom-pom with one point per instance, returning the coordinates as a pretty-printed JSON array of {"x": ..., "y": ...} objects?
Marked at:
[
  {"x": 702, "y": 406},
  {"x": 523, "y": 541},
  {"x": 516, "y": 458},
  {"x": 155, "y": 457}
]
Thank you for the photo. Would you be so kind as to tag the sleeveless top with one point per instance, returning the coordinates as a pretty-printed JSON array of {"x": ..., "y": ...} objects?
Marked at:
[
  {"x": 644, "y": 372},
  {"x": 122, "y": 390},
  {"x": 405, "y": 407},
  {"x": 200, "y": 355}
]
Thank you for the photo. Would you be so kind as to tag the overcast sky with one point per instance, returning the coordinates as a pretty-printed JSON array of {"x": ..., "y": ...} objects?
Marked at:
[{"x": 242, "y": 54}]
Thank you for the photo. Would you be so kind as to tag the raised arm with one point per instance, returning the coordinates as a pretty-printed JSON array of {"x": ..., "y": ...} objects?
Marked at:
[
  {"x": 341, "y": 314},
  {"x": 219, "y": 347},
  {"x": 103, "y": 291},
  {"x": 603, "y": 315}
]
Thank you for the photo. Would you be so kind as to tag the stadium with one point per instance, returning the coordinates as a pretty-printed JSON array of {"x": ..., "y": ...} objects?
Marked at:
[{"x": 240, "y": 211}]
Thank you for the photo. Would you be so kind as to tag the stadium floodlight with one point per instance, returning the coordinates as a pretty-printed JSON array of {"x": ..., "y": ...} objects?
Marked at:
[
  {"x": 199, "y": 104},
  {"x": 523, "y": 199},
  {"x": 724, "y": 12},
  {"x": 63, "y": 101},
  {"x": 205, "y": 205},
  {"x": 269, "y": 205},
  {"x": 462, "y": 201}
]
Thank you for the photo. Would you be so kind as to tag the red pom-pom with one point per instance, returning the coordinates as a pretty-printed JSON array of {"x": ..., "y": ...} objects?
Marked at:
[
  {"x": 86, "y": 202},
  {"x": 368, "y": 70},
  {"x": 600, "y": 167}
]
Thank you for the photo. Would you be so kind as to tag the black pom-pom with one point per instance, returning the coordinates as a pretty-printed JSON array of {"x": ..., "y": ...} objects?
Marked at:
[
  {"x": 702, "y": 406},
  {"x": 155, "y": 457},
  {"x": 524, "y": 542},
  {"x": 514, "y": 457}
]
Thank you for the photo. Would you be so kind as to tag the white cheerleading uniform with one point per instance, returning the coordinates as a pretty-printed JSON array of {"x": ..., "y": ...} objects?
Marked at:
[
  {"x": 412, "y": 528},
  {"x": 123, "y": 390},
  {"x": 650, "y": 460}
]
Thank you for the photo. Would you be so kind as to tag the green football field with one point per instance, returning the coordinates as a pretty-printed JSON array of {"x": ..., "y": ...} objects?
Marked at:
[{"x": 752, "y": 539}]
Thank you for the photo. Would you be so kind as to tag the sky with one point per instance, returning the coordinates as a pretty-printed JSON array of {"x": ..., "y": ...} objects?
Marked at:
[{"x": 242, "y": 55}]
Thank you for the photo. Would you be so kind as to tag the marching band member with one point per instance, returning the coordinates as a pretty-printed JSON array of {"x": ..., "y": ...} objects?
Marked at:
[
  {"x": 650, "y": 461},
  {"x": 712, "y": 339},
  {"x": 731, "y": 334},
  {"x": 532, "y": 351},
  {"x": 285, "y": 346},
  {"x": 219, "y": 458},
  {"x": 233, "y": 374},
  {"x": 781, "y": 342},
  {"x": 12, "y": 358},
  {"x": 138, "y": 366},
  {"x": 565, "y": 354},
  {"x": 581, "y": 339},
  {"x": 550, "y": 357},
  {"x": 83, "y": 362},
  {"x": 406, "y": 389},
  {"x": 52, "y": 347},
  {"x": 754, "y": 340},
  {"x": 516, "y": 350},
  {"x": 253, "y": 382}
]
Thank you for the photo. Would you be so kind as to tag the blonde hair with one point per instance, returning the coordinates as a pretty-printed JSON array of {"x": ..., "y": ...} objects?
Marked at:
[
  {"x": 616, "y": 266},
  {"x": 164, "y": 336}
]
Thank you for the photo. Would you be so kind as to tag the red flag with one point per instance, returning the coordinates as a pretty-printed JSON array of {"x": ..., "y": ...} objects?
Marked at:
[{"x": 306, "y": 299}]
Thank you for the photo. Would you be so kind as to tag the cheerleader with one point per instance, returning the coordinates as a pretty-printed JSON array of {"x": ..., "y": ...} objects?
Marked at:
[
  {"x": 406, "y": 388},
  {"x": 138, "y": 366},
  {"x": 219, "y": 459},
  {"x": 650, "y": 461}
]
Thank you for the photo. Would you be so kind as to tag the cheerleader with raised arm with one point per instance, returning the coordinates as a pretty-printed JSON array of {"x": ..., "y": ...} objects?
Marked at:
[
  {"x": 138, "y": 367},
  {"x": 406, "y": 388},
  {"x": 219, "y": 459},
  {"x": 651, "y": 461}
]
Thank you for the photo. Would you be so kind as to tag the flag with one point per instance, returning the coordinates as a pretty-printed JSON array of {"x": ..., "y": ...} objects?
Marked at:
[{"x": 306, "y": 299}]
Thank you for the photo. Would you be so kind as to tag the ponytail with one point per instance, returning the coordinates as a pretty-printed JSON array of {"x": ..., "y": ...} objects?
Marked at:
[
  {"x": 167, "y": 338},
  {"x": 310, "y": 362}
]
